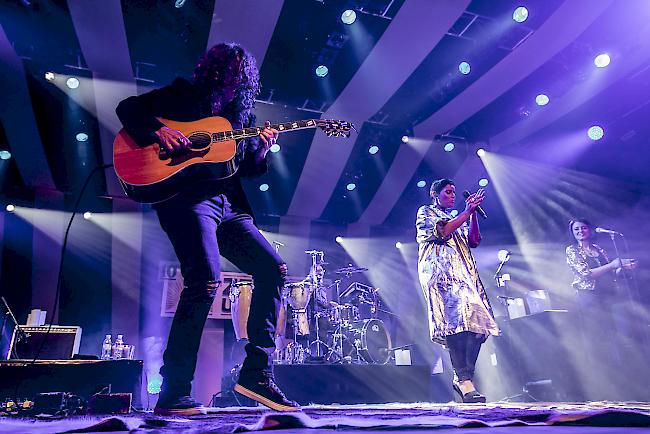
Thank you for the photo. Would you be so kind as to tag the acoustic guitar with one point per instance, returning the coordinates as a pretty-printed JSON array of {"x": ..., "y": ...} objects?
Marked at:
[{"x": 149, "y": 174}]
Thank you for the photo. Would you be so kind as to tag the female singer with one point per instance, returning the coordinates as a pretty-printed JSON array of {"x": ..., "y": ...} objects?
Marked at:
[
  {"x": 593, "y": 273},
  {"x": 460, "y": 315},
  {"x": 597, "y": 296}
]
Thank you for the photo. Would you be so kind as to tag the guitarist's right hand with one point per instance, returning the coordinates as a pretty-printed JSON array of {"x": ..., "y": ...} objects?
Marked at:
[{"x": 172, "y": 141}]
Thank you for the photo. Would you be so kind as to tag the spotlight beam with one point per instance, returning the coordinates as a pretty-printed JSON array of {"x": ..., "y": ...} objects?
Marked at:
[{"x": 553, "y": 36}]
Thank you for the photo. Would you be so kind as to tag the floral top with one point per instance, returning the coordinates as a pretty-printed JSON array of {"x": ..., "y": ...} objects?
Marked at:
[
  {"x": 456, "y": 298},
  {"x": 581, "y": 264}
]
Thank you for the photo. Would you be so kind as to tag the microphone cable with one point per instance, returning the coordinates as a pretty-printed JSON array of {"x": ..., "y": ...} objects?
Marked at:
[{"x": 60, "y": 273}]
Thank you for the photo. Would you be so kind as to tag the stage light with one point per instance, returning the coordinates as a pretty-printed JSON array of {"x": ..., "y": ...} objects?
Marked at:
[
  {"x": 349, "y": 16},
  {"x": 503, "y": 255},
  {"x": 595, "y": 133},
  {"x": 464, "y": 68},
  {"x": 179, "y": 4},
  {"x": 405, "y": 139},
  {"x": 602, "y": 60},
  {"x": 88, "y": 215},
  {"x": 322, "y": 71},
  {"x": 520, "y": 14},
  {"x": 454, "y": 212},
  {"x": 483, "y": 182},
  {"x": 505, "y": 277},
  {"x": 10, "y": 208},
  {"x": 72, "y": 82},
  {"x": 351, "y": 186},
  {"x": 449, "y": 147},
  {"x": 82, "y": 137},
  {"x": 373, "y": 149},
  {"x": 5, "y": 155},
  {"x": 541, "y": 99},
  {"x": 264, "y": 187},
  {"x": 398, "y": 245},
  {"x": 338, "y": 240},
  {"x": 50, "y": 76},
  {"x": 422, "y": 184},
  {"x": 480, "y": 152},
  {"x": 274, "y": 148}
]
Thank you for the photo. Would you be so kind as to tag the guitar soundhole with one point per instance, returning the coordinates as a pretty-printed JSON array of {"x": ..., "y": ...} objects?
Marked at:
[{"x": 199, "y": 141}]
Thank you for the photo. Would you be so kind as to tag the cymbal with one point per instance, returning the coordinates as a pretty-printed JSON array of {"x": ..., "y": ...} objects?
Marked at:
[{"x": 350, "y": 270}]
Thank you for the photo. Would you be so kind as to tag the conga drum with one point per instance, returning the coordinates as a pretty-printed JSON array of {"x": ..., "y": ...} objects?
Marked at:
[
  {"x": 298, "y": 294},
  {"x": 241, "y": 294}
]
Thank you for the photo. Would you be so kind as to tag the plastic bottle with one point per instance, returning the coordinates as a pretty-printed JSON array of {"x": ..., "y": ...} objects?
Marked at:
[
  {"x": 118, "y": 347},
  {"x": 106, "y": 348}
]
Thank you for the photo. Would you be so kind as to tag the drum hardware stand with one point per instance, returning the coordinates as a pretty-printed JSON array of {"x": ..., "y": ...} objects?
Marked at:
[{"x": 318, "y": 342}]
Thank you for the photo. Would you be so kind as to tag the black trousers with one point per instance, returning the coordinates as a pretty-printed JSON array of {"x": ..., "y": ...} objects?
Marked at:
[
  {"x": 463, "y": 351},
  {"x": 200, "y": 233}
]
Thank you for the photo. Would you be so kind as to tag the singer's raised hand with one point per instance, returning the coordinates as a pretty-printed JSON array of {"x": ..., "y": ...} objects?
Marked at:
[{"x": 473, "y": 201}]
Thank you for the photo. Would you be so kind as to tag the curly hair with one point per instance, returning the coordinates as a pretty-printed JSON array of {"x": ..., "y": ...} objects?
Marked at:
[{"x": 230, "y": 64}]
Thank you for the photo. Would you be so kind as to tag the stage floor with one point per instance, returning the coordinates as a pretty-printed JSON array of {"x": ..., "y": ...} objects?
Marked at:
[{"x": 593, "y": 417}]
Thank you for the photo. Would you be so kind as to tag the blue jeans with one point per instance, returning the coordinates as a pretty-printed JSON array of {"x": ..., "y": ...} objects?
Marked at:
[{"x": 200, "y": 233}]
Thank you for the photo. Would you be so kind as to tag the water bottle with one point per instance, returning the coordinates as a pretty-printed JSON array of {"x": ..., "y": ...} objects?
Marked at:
[
  {"x": 106, "y": 348},
  {"x": 118, "y": 347}
]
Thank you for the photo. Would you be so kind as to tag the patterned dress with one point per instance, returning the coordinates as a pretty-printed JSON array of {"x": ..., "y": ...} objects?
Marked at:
[
  {"x": 456, "y": 298},
  {"x": 581, "y": 264}
]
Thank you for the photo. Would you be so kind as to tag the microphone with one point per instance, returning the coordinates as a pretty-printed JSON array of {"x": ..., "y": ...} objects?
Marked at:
[
  {"x": 479, "y": 210},
  {"x": 607, "y": 231}
]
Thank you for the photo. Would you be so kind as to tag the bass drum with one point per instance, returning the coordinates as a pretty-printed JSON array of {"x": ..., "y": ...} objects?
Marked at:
[{"x": 371, "y": 340}]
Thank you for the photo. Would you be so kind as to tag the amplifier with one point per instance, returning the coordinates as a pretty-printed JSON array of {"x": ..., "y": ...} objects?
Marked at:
[{"x": 61, "y": 343}]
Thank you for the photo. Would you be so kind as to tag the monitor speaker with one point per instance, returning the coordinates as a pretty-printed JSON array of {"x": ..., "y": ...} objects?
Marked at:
[{"x": 61, "y": 343}]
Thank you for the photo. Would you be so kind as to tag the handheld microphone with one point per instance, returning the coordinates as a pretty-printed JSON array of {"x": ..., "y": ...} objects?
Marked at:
[
  {"x": 479, "y": 210},
  {"x": 607, "y": 231}
]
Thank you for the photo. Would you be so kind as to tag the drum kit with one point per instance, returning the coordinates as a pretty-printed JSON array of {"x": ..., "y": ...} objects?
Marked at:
[{"x": 312, "y": 330}]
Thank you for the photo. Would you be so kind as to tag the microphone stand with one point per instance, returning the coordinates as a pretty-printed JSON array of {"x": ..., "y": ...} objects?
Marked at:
[
  {"x": 497, "y": 277},
  {"x": 631, "y": 291},
  {"x": 628, "y": 286},
  {"x": 511, "y": 350},
  {"x": 20, "y": 333}
]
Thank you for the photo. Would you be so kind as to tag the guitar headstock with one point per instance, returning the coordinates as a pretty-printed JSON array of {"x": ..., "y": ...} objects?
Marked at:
[{"x": 336, "y": 128}]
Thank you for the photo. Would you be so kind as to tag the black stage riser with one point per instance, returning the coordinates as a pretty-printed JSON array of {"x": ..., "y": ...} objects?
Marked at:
[
  {"x": 354, "y": 384},
  {"x": 82, "y": 378}
]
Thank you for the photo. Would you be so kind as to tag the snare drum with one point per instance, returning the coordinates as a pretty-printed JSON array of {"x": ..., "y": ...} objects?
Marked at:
[{"x": 298, "y": 294}]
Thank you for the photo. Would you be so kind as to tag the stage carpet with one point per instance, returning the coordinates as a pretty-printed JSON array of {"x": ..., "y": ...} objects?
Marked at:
[{"x": 593, "y": 417}]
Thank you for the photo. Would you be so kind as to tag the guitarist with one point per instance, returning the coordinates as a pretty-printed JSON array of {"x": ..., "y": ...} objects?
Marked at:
[{"x": 213, "y": 219}]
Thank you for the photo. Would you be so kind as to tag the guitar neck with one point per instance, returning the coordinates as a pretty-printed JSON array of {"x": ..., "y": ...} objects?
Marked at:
[{"x": 255, "y": 131}]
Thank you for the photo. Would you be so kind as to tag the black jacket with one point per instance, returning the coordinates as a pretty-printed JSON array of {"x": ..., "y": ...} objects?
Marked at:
[{"x": 185, "y": 102}]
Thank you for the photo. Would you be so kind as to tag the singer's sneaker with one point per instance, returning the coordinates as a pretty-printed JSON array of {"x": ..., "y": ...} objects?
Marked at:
[
  {"x": 262, "y": 388},
  {"x": 179, "y": 406}
]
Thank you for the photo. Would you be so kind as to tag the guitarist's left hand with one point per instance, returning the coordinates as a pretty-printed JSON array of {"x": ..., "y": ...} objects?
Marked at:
[{"x": 268, "y": 136}]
